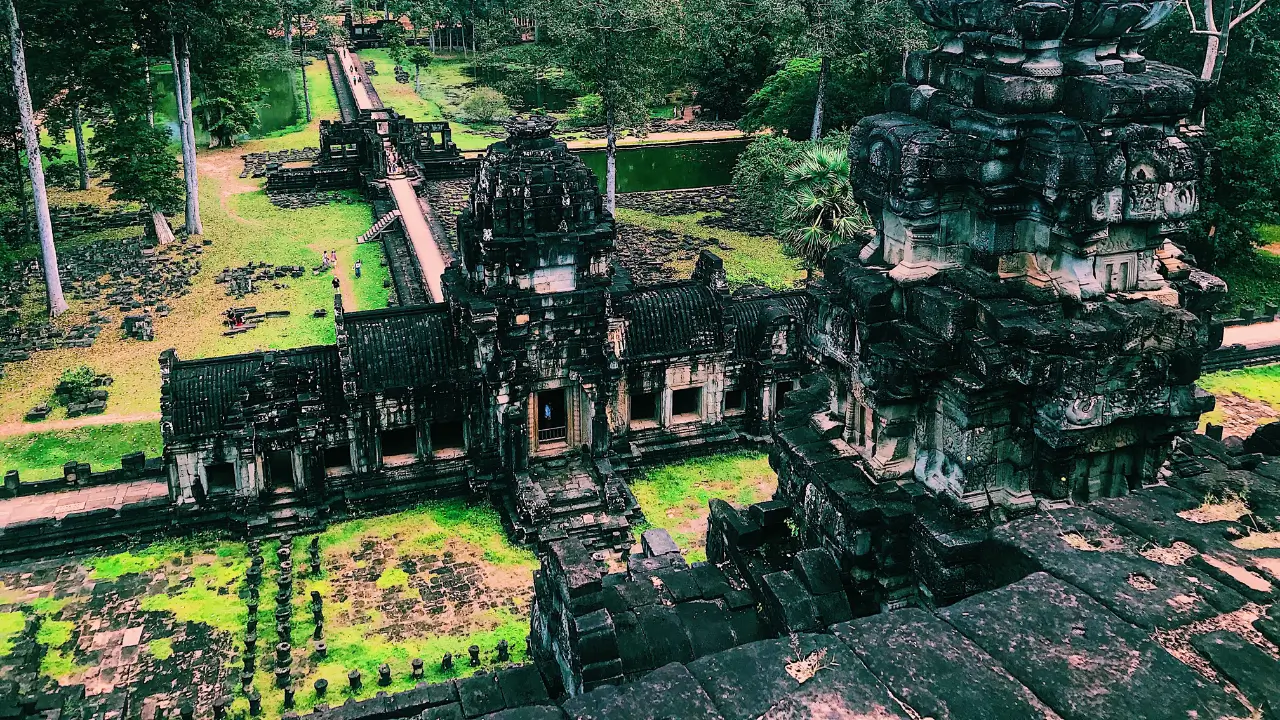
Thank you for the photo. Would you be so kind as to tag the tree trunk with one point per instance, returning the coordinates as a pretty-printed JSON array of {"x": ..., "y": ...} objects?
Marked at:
[
  {"x": 302, "y": 60},
  {"x": 151, "y": 104},
  {"x": 288, "y": 31},
  {"x": 611, "y": 163},
  {"x": 417, "y": 79},
  {"x": 82, "y": 157},
  {"x": 182, "y": 79},
  {"x": 31, "y": 136},
  {"x": 22, "y": 192},
  {"x": 816, "y": 133},
  {"x": 160, "y": 224}
]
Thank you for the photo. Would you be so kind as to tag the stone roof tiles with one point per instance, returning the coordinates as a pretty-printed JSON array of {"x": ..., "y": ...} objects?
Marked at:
[
  {"x": 674, "y": 319},
  {"x": 747, "y": 314},
  {"x": 403, "y": 347},
  {"x": 206, "y": 391}
]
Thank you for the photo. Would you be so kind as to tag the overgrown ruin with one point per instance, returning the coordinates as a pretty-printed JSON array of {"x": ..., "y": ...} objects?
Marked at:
[{"x": 991, "y": 502}]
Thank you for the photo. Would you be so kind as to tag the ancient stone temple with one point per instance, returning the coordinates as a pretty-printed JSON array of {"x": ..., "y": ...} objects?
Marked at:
[
  {"x": 1022, "y": 329},
  {"x": 544, "y": 379}
]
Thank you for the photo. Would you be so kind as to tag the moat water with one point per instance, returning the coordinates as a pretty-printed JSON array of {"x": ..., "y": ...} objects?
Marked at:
[
  {"x": 278, "y": 109},
  {"x": 669, "y": 167}
]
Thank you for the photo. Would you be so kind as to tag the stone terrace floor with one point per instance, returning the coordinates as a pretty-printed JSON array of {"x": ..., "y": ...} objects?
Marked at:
[
  {"x": 1157, "y": 605},
  {"x": 57, "y": 505}
]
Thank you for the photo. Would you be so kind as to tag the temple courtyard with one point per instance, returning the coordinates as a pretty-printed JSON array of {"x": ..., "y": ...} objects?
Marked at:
[{"x": 151, "y": 626}]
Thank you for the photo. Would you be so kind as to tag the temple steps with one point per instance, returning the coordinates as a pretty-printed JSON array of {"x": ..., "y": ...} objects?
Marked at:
[
  {"x": 571, "y": 497},
  {"x": 283, "y": 512},
  {"x": 379, "y": 227}
]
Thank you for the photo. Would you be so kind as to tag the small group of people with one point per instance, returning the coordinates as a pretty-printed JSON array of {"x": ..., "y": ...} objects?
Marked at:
[
  {"x": 330, "y": 259},
  {"x": 337, "y": 283}
]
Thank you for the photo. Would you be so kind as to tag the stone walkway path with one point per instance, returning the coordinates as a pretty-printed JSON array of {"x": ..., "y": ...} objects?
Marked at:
[
  {"x": 1253, "y": 336},
  {"x": 57, "y": 505},
  {"x": 420, "y": 237}
]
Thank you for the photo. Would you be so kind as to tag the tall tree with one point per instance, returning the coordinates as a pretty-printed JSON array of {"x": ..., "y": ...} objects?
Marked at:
[
  {"x": 186, "y": 134},
  {"x": 31, "y": 136},
  {"x": 618, "y": 49}
]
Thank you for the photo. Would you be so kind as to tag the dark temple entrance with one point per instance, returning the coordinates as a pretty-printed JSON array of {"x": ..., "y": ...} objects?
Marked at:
[
  {"x": 279, "y": 469},
  {"x": 553, "y": 422}
]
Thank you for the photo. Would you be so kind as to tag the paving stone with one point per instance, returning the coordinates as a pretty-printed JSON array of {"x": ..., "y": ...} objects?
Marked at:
[
  {"x": 1254, "y": 671},
  {"x": 668, "y": 692},
  {"x": 1082, "y": 660},
  {"x": 532, "y": 712},
  {"x": 1144, "y": 592},
  {"x": 480, "y": 695},
  {"x": 935, "y": 669},
  {"x": 1153, "y": 515},
  {"x": 752, "y": 681}
]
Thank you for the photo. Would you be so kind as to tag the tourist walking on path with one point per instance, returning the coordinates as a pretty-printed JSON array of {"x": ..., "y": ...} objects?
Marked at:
[
  {"x": 336, "y": 284},
  {"x": 357, "y": 267},
  {"x": 333, "y": 259}
]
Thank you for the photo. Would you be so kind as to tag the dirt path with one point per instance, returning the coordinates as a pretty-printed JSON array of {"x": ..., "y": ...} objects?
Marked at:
[{"x": 26, "y": 428}]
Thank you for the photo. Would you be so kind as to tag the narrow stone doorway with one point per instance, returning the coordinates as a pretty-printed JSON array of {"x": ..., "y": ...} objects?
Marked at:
[
  {"x": 553, "y": 420},
  {"x": 279, "y": 467}
]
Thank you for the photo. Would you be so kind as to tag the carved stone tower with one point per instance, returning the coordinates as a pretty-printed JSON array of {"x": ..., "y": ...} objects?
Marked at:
[
  {"x": 1021, "y": 328},
  {"x": 537, "y": 251}
]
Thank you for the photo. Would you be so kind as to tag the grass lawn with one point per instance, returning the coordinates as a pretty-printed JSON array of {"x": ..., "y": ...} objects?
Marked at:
[
  {"x": 748, "y": 259},
  {"x": 442, "y": 90},
  {"x": 1256, "y": 383},
  {"x": 41, "y": 455},
  {"x": 391, "y": 593},
  {"x": 675, "y": 497},
  {"x": 1255, "y": 280},
  {"x": 243, "y": 226}
]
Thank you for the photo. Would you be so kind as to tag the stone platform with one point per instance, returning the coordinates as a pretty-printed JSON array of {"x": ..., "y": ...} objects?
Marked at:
[{"x": 59, "y": 505}]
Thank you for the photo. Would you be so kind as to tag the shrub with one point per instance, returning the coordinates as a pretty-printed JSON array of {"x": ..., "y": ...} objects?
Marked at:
[
  {"x": 485, "y": 105},
  {"x": 587, "y": 111},
  {"x": 75, "y": 384},
  {"x": 761, "y": 172}
]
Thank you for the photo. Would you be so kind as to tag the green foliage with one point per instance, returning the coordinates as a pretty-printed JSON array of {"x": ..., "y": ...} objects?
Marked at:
[
  {"x": 1243, "y": 121},
  {"x": 41, "y": 455},
  {"x": 730, "y": 49},
  {"x": 587, "y": 111},
  {"x": 144, "y": 560},
  {"x": 485, "y": 105},
  {"x": 11, "y": 624},
  {"x": 1253, "y": 277},
  {"x": 137, "y": 159},
  {"x": 75, "y": 384},
  {"x": 822, "y": 213},
  {"x": 1257, "y": 383},
  {"x": 618, "y": 49},
  {"x": 161, "y": 649},
  {"x": 675, "y": 497},
  {"x": 761, "y": 173}
]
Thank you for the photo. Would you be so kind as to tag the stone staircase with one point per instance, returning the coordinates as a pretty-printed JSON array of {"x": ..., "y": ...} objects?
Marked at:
[
  {"x": 283, "y": 512},
  {"x": 379, "y": 227},
  {"x": 573, "y": 496}
]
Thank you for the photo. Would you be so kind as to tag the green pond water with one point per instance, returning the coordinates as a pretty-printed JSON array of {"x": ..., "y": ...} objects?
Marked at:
[
  {"x": 278, "y": 109},
  {"x": 667, "y": 167}
]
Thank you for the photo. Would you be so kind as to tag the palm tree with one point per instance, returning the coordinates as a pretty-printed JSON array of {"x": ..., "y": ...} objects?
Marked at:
[{"x": 822, "y": 213}]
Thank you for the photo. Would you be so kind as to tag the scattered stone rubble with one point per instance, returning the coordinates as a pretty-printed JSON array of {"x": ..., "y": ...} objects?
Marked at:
[
  {"x": 258, "y": 164},
  {"x": 128, "y": 277}
]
